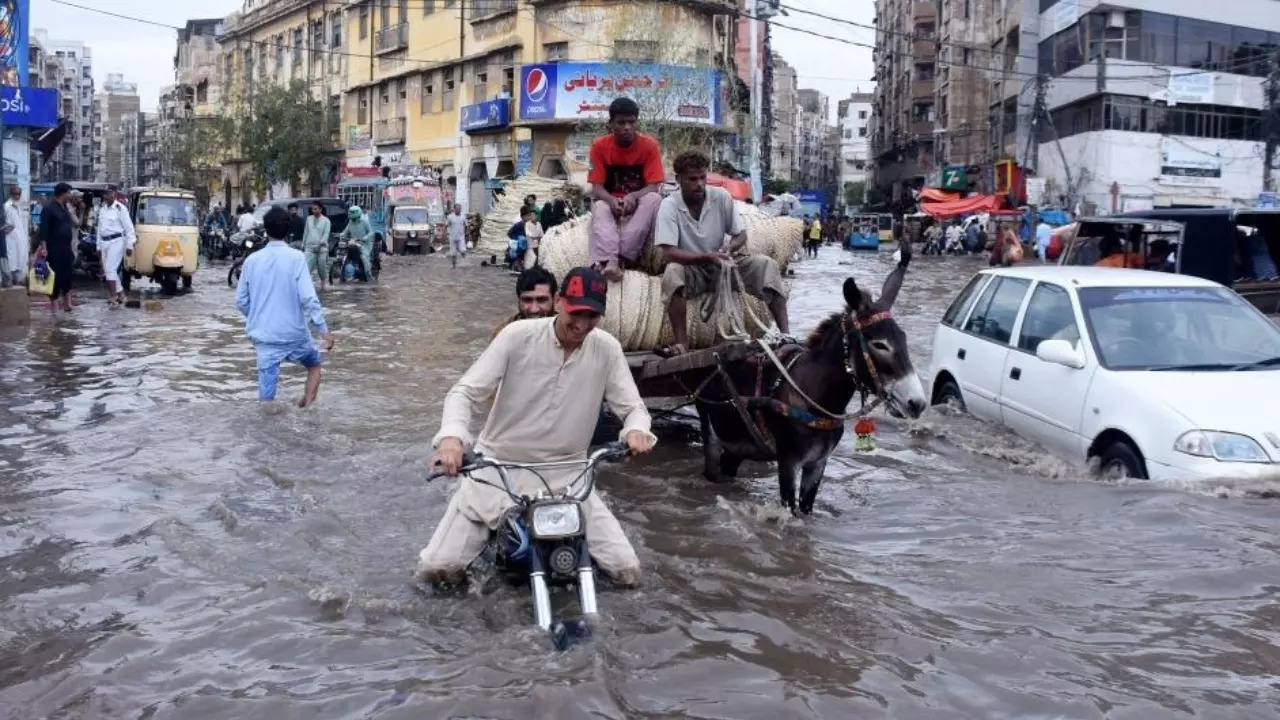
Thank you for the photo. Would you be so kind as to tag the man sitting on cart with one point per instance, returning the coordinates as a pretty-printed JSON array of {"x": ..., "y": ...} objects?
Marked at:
[
  {"x": 626, "y": 172},
  {"x": 691, "y": 230}
]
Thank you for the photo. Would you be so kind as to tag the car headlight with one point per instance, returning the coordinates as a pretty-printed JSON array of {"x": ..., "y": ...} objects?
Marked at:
[
  {"x": 1222, "y": 446},
  {"x": 555, "y": 520}
]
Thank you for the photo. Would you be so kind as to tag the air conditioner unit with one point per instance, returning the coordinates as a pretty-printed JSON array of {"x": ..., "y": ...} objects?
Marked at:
[{"x": 1116, "y": 19}]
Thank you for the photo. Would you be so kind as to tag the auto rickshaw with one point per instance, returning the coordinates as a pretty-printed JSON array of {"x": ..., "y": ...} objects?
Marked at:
[{"x": 168, "y": 230}]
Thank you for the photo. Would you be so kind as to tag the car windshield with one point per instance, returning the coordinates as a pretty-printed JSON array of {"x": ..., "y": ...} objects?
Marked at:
[
  {"x": 1178, "y": 328},
  {"x": 157, "y": 210},
  {"x": 410, "y": 216}
]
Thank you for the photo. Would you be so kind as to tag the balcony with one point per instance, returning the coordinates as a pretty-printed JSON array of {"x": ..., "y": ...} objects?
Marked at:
[
  {"x": 387, "y": 132},
  {"x": 924, "y": 50},
  {"x": 922, "y": 129},
  {"x": 392, "y": 38},
  {"x": 923, "y": 10},
  {"x": 922, "y": 89}
]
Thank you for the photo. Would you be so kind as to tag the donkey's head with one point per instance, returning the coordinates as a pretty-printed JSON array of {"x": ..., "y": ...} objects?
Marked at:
[{"x": 875, "y": 346}]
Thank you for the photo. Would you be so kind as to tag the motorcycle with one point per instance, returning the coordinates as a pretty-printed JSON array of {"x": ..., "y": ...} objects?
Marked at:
[
  {"x": 348, "y": 263},
  {"x": 542, "y": 540},
  {"x": 88, "y": 261},
  {"x": 216, "y": 245},
  {"x": 243, "y": 245}
]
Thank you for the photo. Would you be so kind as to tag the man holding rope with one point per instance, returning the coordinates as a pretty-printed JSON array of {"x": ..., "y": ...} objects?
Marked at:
[{"x": 691, "y": 229}]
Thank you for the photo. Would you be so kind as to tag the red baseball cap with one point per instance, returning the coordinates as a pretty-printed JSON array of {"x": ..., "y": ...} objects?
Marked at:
[{"x": 584, "y": 289}]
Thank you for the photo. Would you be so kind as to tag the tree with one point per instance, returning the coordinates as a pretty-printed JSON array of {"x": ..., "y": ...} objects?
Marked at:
[
  {"x": 190, "y": 153},
  {"x": 855, "y": 193},
  {"x": 777, "y": 186},
  {"x": 282, "y": 133}
]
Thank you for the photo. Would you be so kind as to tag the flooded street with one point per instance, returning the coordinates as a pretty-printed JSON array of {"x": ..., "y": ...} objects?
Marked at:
[{"x": 170, "y": 548}]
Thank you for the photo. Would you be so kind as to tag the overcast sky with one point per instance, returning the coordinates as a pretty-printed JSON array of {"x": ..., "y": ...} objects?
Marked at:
[{"x": 144, "y": 53}]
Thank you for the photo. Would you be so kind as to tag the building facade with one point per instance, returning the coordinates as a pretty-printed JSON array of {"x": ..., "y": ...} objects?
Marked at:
[
  {"x": 784, "y": 122},
  {"x": 812, "y": 168},
  {"x": 116, "y": 108},
  {"x": 73, "y": 158},
  {"x": 906, "y": 113},
  {"x": 853, "y": 125},
  {"x": 1155, "y": 103}
]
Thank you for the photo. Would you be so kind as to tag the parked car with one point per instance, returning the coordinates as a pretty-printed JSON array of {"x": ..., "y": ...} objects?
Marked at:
[{"x": 1156, "y": 375}]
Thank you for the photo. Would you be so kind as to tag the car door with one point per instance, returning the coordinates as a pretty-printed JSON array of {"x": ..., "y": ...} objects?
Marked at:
[
  {"x": 1040, "y": 400},
  {"x": 949, "y": 334},
  {"x": 984, "y": 347}
]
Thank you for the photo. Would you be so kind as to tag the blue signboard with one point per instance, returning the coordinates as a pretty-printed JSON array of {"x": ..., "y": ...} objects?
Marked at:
[
  {"x": 29, "y": 107},
  {"x": 583, "y": 91},
  {"x": 524, "y": 157},
  {"x": 1266, "y": 200},
  {"x": 486, "y": 116},
  {"x": 15, "y": 33}
]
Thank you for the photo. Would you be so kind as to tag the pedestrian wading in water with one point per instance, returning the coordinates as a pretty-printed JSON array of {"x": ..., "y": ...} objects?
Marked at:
[{"x": 278, "y": 300}]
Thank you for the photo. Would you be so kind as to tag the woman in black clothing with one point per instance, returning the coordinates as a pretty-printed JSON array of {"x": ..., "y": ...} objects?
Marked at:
[{"x": 57, "y": 231}]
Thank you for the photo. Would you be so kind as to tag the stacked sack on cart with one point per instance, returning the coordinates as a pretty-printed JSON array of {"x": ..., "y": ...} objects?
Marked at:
[{"x": 635, "y": 314}]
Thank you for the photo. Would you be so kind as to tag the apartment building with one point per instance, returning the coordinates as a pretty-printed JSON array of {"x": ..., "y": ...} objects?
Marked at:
[
  {"x": 73, "y": 159},
  {"x": 1155, "y": 103},
  {"x": 272, "y": 42},
  {"x": 962, "y": 89},
  {"x": 853, "y": 126},
  {"x": 785, "y": 102},
  {"x": 813, "y": 168},
  {"x": 906, "y": 102},
  {"x": 115, "y": 111}
]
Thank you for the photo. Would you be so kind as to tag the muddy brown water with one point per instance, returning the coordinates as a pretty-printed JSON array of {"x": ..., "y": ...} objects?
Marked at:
[{"x": 169, "y": 548}]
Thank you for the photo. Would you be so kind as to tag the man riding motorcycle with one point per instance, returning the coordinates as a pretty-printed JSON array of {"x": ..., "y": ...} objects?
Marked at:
[
  {"x": 560, "y": 369},
  {"x": 360, "y": 231}
]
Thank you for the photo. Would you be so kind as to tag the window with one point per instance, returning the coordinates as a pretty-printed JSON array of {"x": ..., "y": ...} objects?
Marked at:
[
  {"x": 862, "y": 114},
  {"x": 335, "y": 30},
  {"x": 384, "y": 14},
  {"x": 364, "y": 21},
  {"x": 449, "y": 87},
  {"x": 297, "y": 46},
  {"x": 1049, "y": 316},
  {"x": 428, "y": 92},
  {"x": 556, "y": 51},
  {"x": 403, "y": 13},
  {"x": 997, "y": 309},
  {"x": 362, "y": 107},
  {"x": 1159, "y": 38},
  {"x": 862, "y": 132},
  {"x": 428, "y": 6},
  {"x": 960, "y": 306}
]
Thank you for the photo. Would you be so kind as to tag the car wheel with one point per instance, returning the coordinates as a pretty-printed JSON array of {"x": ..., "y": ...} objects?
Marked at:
[
  {"x": 949, "y": 394},
  {"x": 1119, "y": 461}
]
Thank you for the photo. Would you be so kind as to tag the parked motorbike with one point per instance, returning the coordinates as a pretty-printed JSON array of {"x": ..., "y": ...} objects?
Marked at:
[
  {"x": 88, "y": 262},
  {"x": 542, "y": 540},
  {"x": 348, "y": 263},
  {"x": 243, "y": 245}
]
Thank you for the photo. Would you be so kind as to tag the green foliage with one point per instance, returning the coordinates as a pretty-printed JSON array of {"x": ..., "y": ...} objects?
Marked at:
[
  {"x": 282, "y": 133},
  {"x": 776, "y": 186},
  {"x": 855, "y": 193}
]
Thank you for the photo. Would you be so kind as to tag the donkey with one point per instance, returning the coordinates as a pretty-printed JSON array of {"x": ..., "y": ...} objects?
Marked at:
[{"x": 757, "y": 413}]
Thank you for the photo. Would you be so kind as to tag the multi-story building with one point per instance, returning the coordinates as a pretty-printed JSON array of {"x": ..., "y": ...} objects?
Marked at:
[
  {"x": 853, "y": 120},
  {"x": 73, "y": 159},
  {"x": 783, "y": 128},
  {"x": 151, "y": 167},
  {"x": 1013, "y": 34},
  {"x": 814, "y": 159},
  {"x": 127, "y": 173},
  {"x": 114, "y": 105},
  {"x": 187, "y": 110},
  {"x": 905, "y": 114},
  {"x": 962, "y": 87},
  {"x": 275, "y": 42},
  {"x": 1155, "y": 103}
]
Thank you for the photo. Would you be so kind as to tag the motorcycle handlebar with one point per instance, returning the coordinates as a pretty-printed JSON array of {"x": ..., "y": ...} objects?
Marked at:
[{"x": 475, "y": 461}]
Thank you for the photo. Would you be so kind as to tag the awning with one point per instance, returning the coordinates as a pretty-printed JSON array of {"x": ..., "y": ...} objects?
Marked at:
[
  {"x": 739, "y": 189},
  {"x": 956, "y": 208},
  {"x": 935, "y": 195}
]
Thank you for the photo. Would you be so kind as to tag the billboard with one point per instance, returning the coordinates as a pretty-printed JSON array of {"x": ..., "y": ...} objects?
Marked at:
[
  {"x": 29, "y": 107},
  {"x": 486, "y": 116},
  {"x": 583, "y": 91},
  {"x": 14, "y": 37}
]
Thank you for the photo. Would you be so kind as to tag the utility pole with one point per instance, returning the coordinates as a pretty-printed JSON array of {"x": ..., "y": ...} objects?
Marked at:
[{"x": 1271, "y": 123}]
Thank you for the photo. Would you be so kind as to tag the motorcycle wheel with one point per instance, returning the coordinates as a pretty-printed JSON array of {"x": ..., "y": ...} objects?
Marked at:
[
  {"x": 233, "y": 275},
  {"x": 335, "y": 271}
]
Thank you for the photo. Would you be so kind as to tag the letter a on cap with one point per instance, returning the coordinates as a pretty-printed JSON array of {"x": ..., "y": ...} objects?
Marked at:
[{"x": 574, "y": 288}]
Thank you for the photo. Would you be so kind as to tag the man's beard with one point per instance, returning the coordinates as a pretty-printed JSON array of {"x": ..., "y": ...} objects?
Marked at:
[{"x": 536, "y": 314}]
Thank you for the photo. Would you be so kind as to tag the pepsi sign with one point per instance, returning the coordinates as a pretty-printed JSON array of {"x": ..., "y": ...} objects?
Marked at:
[
  {"x": 537, "y": 94},
  {"x": 29, "y": 107}
]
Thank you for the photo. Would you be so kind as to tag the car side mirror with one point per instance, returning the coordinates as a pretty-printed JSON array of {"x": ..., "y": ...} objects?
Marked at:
[{"x": 1060, "y": 352}]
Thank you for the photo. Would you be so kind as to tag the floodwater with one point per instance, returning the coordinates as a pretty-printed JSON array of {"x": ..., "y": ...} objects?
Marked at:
[{"x": 169, "y": 548}]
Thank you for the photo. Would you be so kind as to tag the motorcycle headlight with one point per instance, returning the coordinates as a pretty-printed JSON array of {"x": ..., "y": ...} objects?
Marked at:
[
  {"x": 1221, "y": 446},
  {"x": 248, "y": 243},
  {"x": 555, "y": 520},
  {"x": 413, "y": 233}
]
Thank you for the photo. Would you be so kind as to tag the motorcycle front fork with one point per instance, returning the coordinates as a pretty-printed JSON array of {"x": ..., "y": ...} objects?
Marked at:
[{"x": 542, "y": 593}]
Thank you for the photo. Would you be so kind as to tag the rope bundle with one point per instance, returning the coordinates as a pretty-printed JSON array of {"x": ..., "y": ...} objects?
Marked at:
[{"x": 493, "y": 232}]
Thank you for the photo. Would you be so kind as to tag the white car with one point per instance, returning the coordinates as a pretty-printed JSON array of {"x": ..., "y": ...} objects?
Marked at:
[{"x": 1157, "y": 375}]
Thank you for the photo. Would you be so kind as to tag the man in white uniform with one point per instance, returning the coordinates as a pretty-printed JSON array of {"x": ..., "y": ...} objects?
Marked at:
[
  {"x": 17, "y": 241},
  {"x": 560, "y": 369},
  {"x": 115, "y": 239}
]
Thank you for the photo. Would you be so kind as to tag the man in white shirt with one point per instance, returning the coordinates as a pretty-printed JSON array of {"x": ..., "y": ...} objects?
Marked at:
[
  {"x": 457, "y": 225},
  {"x": 115, "y": 239},
  {"x": 246, "y": 221},
  {"x": 16, "y": 240},
  {"x": 546, "y": 378}
]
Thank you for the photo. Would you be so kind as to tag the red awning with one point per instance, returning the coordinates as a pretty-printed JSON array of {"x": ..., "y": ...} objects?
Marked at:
[
  {"x": 956, "y": 208},
  {"x": 739, "y": 189},
  {"x": 935, "y": 195}
]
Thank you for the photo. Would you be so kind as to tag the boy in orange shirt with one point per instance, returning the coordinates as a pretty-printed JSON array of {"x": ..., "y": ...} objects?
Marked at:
[{"x": 626, "y": 172}]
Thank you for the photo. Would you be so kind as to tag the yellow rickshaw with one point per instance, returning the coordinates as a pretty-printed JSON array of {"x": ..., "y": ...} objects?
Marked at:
[
  {"x": 168, "y": 229},
  {"x": 884, "y": 227}
]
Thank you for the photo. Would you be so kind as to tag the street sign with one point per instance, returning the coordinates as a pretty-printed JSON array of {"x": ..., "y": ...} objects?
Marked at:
[{"x": 954, "y": 178}]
